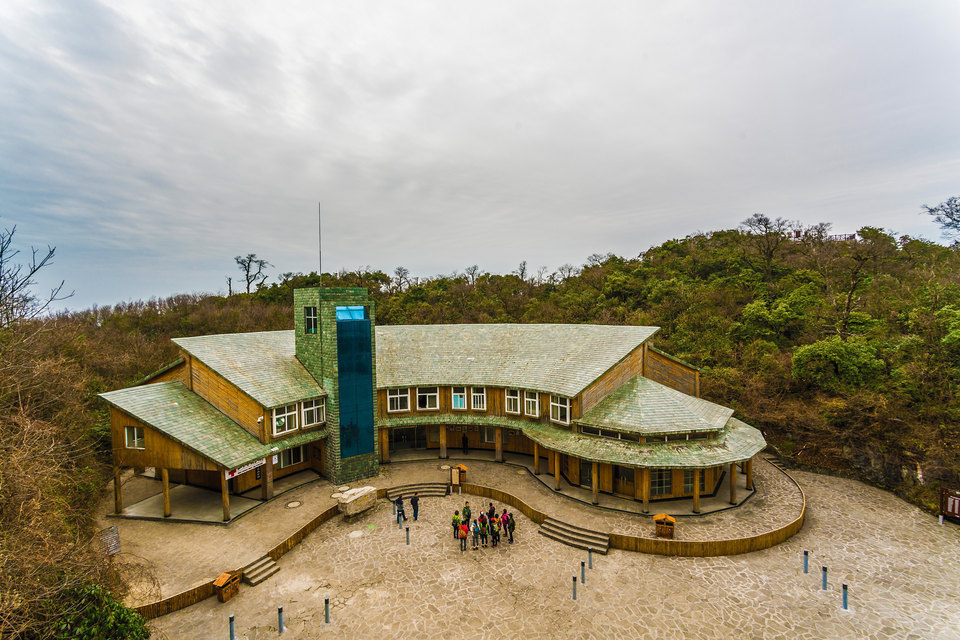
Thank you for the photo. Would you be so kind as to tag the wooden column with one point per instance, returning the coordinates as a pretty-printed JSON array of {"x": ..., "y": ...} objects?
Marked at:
[
  {"x": 266, "y": 479},
  {"x": 443, "y": 442},
  {"x": 225, "y": 495},
  {"x": 117, "y": 496},
  {"x": 750, "y": 474},
  {"x": 637, "y": 493},
  {"x": 385, "y": 441},
  {"x": 733, "y": 483},
  {"x": 696, "y": 490},
  {"x": 536, "y": 459},
  {"x": 646, "y": 490},
  {"x": 165, "y": 487},
  {"x": 498, "y": 438},
  {"x": 595, "y": 482},
  {"x": 556, "y": 471}
]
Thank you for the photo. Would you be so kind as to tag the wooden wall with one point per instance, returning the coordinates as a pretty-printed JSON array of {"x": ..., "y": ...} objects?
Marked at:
[
  {"x": 672, "y": 373},
  {"x": 226, "y": 397},
  {"x": 179, "y": 372},
  {"x": 159, "y": 450},
  {"x": 613, "y": 379}
]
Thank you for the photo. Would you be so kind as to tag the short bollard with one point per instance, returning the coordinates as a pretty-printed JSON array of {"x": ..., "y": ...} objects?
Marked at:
[
  {"x": 232, "y": 633},
  {"x": 394, "y": 505},
  {"x": 806, "y": 561},
  {"x": 941, "y": 520},
  {"x": 408, "y": 535},
  {"x": 590, "y": 556},
  {"x": 583, "y": 573},
  {"x": 280, "y": 620},
  {"x": 574, "y": 587},
  {"x": 845, "y": 607},
  {"x": 824, "y": 587},
  {"x": 459, "y": 490},
  {"x": 326, "y": 610}
]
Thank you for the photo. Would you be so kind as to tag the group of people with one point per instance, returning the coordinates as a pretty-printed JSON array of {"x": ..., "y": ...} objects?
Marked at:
[
  {"x": 414, "y": 502},
  {"x": 487, "y": 526}
]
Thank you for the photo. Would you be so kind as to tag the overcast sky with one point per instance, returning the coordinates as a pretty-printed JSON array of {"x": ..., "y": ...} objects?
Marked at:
[{"x": 151, "y": 142}]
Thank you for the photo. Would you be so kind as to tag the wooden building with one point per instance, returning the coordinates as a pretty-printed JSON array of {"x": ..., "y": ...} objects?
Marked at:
[{"x": 594, "y": 404}]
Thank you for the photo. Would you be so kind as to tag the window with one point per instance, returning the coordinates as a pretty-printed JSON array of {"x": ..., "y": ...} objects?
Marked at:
[
  {"x": 398, "y": 400},
  {"x": 560, "y": 409},
  {"x": 309, "y": 319},
  {"x": 291, "y": 457},
  {"x": 489, "y": 434},
  {"x": 478, "y": 399},
  {"x": 688, "y": 481},
  {"x": 590, "y": 430},
  {"x": 459, "y": 395},
  {"x": 314, "y": 412},
  {"x": 284, "y": 419},
  {"x": 661, "y": 482},
  {"x": 428, "y": 399},
  {"x": 513, "y": 401},
  {"x": 134, "y": 437},
  {"x": 531, "y": 404}
]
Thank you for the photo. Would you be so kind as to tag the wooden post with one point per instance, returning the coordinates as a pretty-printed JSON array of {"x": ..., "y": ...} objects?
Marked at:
[
  {"x": 266, "y": 478},
  {"x": 696, "y": 490},
  {"x": 165, "y": 487},
  {"x": 225, "y": 495},
  {"x": 117, "y": 496},
  {"x": 733, "y": 483},
  {"x": 385, "y": 439},
  {"x": 443, "y": 442},
  {"x": 556, "y": 471},
  {"x": 536, "y": 458},
  {"x": 498, "y": 438},
  {"x": 646, "y": 490},
  {"x": 595, "y": 482},
  {"x": 750, "y": 474},
  {"x": 637, "y": 493}
]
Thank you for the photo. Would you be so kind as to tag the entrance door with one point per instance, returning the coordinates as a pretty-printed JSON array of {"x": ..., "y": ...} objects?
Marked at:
[
  {"x": 623, "y": 480},
  {"x": 586, "y": 473},
  {"x": 408, "y": 438}
]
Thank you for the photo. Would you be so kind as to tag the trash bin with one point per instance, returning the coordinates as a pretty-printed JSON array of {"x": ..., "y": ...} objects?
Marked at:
[
  {"x": 665, "y": 525},
  {"x": 227, "y": 584}
]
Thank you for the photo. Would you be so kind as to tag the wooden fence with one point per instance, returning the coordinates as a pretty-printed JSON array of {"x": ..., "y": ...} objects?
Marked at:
[{"x": 176, "y": 602}]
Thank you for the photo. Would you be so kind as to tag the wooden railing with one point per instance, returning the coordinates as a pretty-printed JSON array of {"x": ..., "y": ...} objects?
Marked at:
[{"x": 176, "y": 602}]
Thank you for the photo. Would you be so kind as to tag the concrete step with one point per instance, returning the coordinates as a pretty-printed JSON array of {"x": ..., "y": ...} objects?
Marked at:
[
  {"x": 259, "y": 570},
  {"x": 574, "y": 536},
  {"x": 426, "y": 490},
  {"x": 578, "y": 532}
]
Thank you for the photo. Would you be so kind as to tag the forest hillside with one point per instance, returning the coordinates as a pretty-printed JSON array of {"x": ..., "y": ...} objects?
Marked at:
[{"x": 843, "y": 350}]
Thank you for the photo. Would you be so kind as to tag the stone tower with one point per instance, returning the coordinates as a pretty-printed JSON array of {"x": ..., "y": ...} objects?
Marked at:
[{"x": 335, "y": 341}]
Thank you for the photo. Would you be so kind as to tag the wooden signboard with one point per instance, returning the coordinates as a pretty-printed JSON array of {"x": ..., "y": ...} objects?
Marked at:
[{"x": 950, "y": 502}]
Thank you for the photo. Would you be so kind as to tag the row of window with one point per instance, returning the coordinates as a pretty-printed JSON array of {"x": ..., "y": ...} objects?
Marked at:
[
  {"x": 633, "y": 437},
  {"x": 308, "y": 413},
  {"x": 428, "y": 399},
  {"x": 661, "y": 481}
]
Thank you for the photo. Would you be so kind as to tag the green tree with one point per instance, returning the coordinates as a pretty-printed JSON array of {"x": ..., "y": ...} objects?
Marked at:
[{"x": 836, "y": 365}]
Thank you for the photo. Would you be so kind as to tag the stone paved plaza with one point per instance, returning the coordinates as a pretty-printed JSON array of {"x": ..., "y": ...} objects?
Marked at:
[{"x": 902, "y": 567}]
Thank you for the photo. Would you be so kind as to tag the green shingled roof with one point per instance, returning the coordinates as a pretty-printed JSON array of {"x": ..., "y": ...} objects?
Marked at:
[
  {"x": 174, "y": 410},
  {"x": 647, "y": 407},
  {"x": 556, "y": 358},
  {"x": 737, "y": 441},
  {"x": 263, "y": 365}
]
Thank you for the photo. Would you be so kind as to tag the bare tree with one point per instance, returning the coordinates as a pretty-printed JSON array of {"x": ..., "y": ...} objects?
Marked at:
[
  {"x": 566, "y": 270},
  {"x": 252, "y": 268},
  {"x": 229, "y": 286},
  {"x": 17, "y": 300},
  {"x": 541, "y": 275},
  {"x": 472, "y": 272},
  {"x": 768, "y": 237},
  {"x": 522, "y": 270},
  {"x": 401, "y": 278}
]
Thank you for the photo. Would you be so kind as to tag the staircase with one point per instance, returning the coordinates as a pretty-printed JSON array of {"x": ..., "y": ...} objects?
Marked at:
[
  {"x": 575, "y": 536},
  {"x": 259, "y": 570},
  {"x": 425, "y": 489}
]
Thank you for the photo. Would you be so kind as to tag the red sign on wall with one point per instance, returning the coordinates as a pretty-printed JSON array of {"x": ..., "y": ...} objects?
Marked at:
[{"x": 950, "y": 502}]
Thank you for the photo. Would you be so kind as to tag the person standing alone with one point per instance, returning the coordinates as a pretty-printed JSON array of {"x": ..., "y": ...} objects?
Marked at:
[{"x": 415, "y": 503}]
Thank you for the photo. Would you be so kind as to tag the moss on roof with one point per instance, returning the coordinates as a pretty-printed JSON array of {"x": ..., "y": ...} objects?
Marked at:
[
  {"x": 647, "y": 407},
  {"x": 182, "y": 415},
  {"x": 556, "y": 358},
  {"x": 262, "y": 364}
]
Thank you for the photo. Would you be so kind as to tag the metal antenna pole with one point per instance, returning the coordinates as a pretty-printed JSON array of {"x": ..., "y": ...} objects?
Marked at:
[{"x": 320, "y": 243}]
